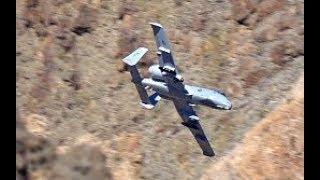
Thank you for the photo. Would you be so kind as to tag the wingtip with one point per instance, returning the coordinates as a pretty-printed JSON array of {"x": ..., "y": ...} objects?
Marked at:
[
  {"x": 129, "y": 60},
  {"x": 210, "y": 154},
  {"x": 144, "y": 49},
  {"x": 155, "y": 24}
]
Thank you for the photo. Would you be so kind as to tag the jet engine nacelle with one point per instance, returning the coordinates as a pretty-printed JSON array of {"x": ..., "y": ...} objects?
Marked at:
[{"x": 155, "y": 72}]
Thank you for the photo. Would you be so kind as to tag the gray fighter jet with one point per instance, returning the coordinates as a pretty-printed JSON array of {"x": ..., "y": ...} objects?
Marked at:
[{"x": 166, "y": 82}]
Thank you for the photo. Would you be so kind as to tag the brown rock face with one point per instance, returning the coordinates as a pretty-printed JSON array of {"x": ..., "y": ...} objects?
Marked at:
[
  {"x": 249, "y": 12},
  {"x": 267, "y": 7},
  {"x": 86, "y": 20},
  {"x": 254, "y": 77},
  {"x": 273, "y": 149},
  {"x": 32, "y": 152},
  {"x": 198, "y": 22},
  {"x": 268, "y": 29},
  {"x": 126, "y": 43},
  {"x": 127, "y": 7},
  {"x": 43, "y": 89},
  {"x": 38, "y": 12},
  {"x": 36, "y": 158},
  {"x": 127, "y": 40},
  {"x": 66, "y": 40},
  {"x": 241, "y": 9},
  {"x": 195, "y": 44},
  {"x": 278, "y": 53},
  {"x": 129, "y": 156},
  {"x": 82, "y": 162}
]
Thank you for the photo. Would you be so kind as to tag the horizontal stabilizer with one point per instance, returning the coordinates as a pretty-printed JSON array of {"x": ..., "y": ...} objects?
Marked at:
[
  {"x": 135, "y": 56},
  {"x": 153, "y": 100}
]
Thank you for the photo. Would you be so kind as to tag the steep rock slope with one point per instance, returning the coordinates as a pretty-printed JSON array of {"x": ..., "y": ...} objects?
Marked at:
[{"x": 273, "y": 149}]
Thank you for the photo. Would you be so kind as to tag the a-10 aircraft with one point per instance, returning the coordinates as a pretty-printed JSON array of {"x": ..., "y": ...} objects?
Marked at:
[{"x": 167, "y": 83}]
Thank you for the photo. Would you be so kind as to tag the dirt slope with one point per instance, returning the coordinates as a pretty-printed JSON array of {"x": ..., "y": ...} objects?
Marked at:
[{"x": 273, "y": 149}]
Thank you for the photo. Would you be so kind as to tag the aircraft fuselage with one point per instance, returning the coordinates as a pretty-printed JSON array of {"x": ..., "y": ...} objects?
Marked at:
[{"x": 192, "y": 94}]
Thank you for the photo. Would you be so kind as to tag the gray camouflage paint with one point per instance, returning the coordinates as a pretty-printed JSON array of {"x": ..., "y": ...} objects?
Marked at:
[{"x": 168, "y": 84}]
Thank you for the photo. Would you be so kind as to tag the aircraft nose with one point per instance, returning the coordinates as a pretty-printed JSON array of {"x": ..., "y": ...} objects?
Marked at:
[
  {"x": 221, "y": 101},
  {"x": 227, "y": 104}
]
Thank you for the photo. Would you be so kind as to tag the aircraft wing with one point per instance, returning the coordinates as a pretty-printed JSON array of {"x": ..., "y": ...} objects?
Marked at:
[
  {"x": 160, "y": 36},
  {"x": 191, "y": 120},
  {"x": 166, "y": 60}
]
